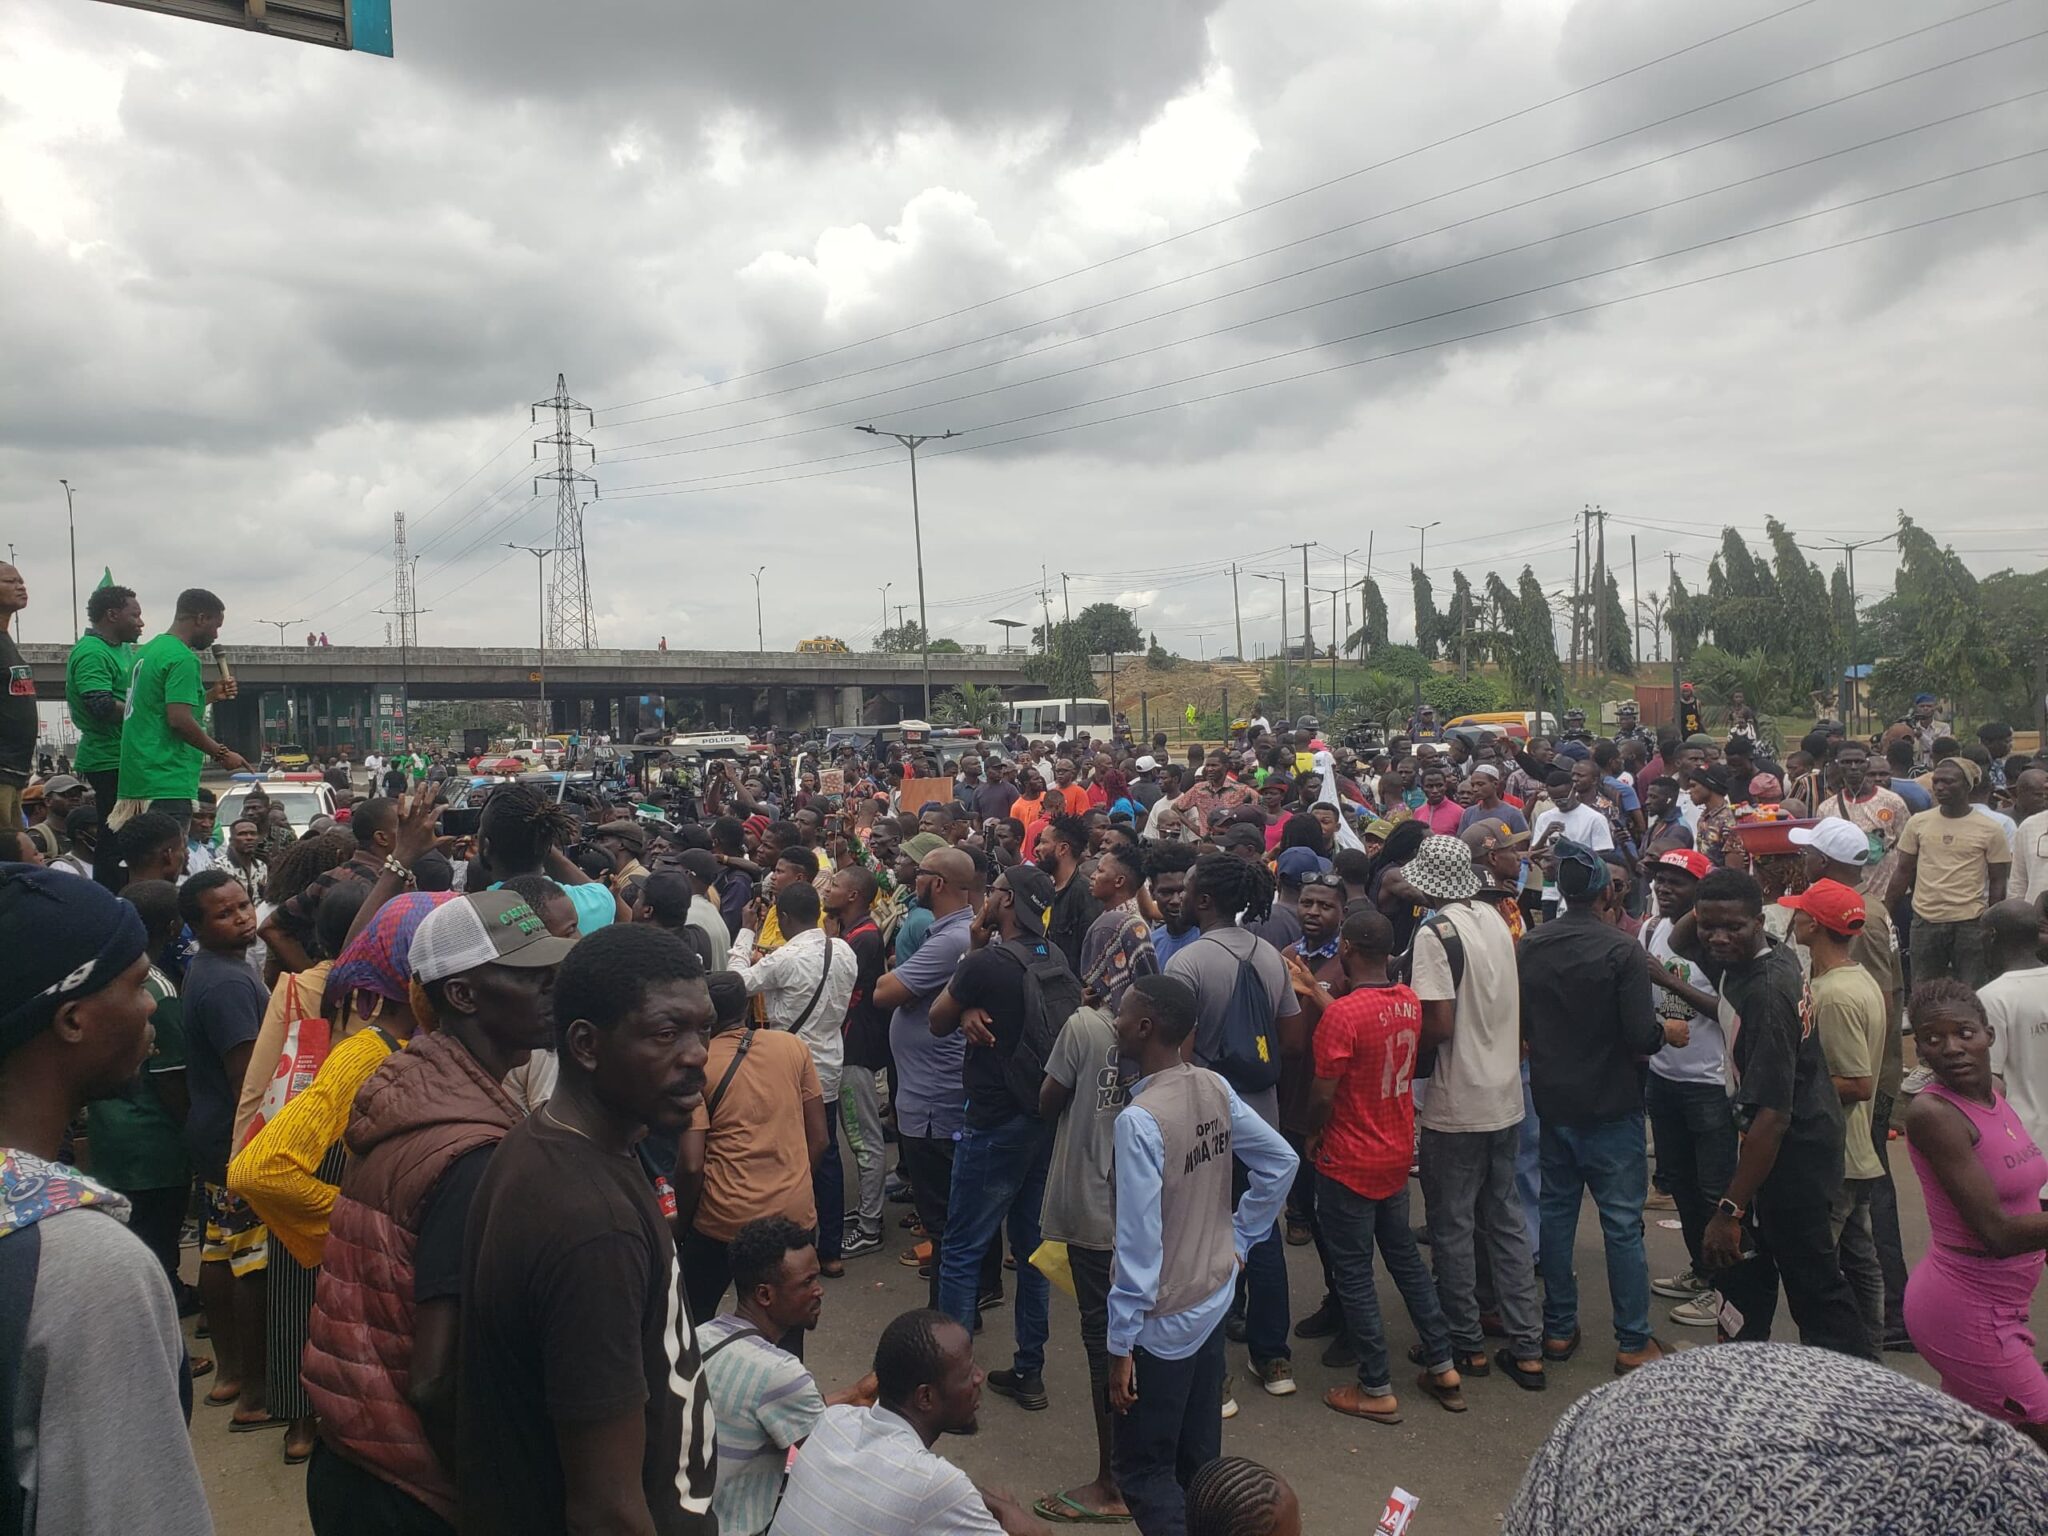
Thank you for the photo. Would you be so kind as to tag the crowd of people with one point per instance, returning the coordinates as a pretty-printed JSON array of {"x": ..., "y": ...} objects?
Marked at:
[{"x": 522, "y": 1162}]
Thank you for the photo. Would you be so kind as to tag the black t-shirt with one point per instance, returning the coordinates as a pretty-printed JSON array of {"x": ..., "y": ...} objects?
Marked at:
[
  {"x": 573, "y": 1313},
  {"x": 988, "y": 978},
  {"x": 1776, "y": 1049},
  {"x": 18, "y": 723},
  {"x": 1074, "y": 907},
  {"x": 437, "y": 1255},
  {"x": 867, "y": 1027}
]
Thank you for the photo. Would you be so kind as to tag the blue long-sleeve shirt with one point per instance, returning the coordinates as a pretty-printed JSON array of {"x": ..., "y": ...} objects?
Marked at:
[{"x": 1140, "y": 1245}]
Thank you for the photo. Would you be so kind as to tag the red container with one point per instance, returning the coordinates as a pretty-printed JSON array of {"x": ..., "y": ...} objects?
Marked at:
[{"x": 1763, "y": 838}]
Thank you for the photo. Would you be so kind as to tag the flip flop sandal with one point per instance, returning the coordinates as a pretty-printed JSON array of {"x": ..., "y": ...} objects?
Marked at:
[
  {"x": 1061, "y": 1510},
  {"x": 1452, "y": 1398},
  {"x": 1332, "y": 1399},
  {"x": 201, "y": 1367},
  {"x": 1528, "y": 1381},
  {"x": 253, "y": 1426},
  {"x": 214, "y": 1399}
]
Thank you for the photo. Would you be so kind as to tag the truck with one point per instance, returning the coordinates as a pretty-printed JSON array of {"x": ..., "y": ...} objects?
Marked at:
[{"x": 475, "y": 743}]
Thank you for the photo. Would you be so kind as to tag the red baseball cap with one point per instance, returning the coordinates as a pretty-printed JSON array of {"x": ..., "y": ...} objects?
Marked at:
[
  {"x": 1830, "y": 903},
  {"x": 1690, "y": 860}
]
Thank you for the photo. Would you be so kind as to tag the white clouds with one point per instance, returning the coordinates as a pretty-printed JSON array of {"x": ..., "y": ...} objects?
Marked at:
[{"x": 259, "y": 296}]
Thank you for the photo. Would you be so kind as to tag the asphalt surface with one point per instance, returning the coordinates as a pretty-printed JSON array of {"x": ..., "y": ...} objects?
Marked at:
[{"x": 1465, "y": 1468}]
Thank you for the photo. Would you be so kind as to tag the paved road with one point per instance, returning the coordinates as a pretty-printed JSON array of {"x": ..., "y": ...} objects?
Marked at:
[{"x": 1465, "y": 1468}]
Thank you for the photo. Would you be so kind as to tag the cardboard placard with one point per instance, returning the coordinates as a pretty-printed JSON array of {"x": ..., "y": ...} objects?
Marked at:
[
  {"x": 918, "y": 793},
  {"x": 831, "y": 781}
]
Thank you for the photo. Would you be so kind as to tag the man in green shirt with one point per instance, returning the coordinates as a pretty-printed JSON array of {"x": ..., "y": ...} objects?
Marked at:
[
  {"x": 96, "y": 692},
  {"x": 163, "y": 744}
]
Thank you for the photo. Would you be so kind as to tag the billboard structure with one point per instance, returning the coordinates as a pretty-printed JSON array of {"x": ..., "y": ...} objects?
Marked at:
[{"x": 363, "y": 26}]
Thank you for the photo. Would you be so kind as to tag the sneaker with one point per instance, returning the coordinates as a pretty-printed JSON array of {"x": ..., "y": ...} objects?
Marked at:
[
  {"x": 896, "y": 1192},
  {"x": 856, "y": 1242},
  {"x": 1325, "y": 1322},
  {"x": 988, "y": 1300},
  {"x": 1703, "y": 1311},
  {"x": 1229, "y": 1402},
  {"x": 1234, "y": 1327},
  {"x": 1682, "y": 1286},
  {"x": 1276, "y": 1376},
  {"x": 1027, "y": 1392}
]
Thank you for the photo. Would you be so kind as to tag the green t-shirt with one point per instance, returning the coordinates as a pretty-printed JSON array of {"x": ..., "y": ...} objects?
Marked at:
[
  {"x": 135, "y": 1142},
  {"x": 155, "y": 764},
  {"x": 96, "y": 667}
]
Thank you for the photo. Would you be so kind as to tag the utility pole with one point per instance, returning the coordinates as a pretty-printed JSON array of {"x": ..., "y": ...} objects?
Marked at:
[
  {"x": 1578, "y": 609},
  {"x": 1849, "y": 560},
  {"x": 884, "y": 590},
  {"x": 1600, "y": 602},
  {"x": 1635, "y": 590},
  {"x": 913, "y": 441},
  {"x": 1344, "y": 634},
  {"x": 760, "y": 644},
  {"x": 1045, "y": 602},
  {"x": 1286, "y": 678},
  {"x": 1236, "y": 613},
  {"x": 281, "y": 624},
  {"x": 72, "y": 523},
  {"x": 1672, "y": 556},
  {"x": 1308, "y": 642},
  {"x": 1364, "y": 647},
  {"x": 1067, "y": 608},
  {"x": 899, "y": 616},
  {"x": 401, "y": 585},
  {"x": 541, "y": 590},
  {"x": 568, "y": 625}
]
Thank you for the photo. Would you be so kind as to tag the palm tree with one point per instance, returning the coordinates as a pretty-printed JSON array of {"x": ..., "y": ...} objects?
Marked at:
[{"x": 970, "y": 704}]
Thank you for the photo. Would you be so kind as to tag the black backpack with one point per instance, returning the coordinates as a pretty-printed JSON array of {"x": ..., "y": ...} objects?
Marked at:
[
  {"x": 1052, "y": 995},
  {"x": 1248, "y": 1052},
  {"x": 1403, "y": 970}
]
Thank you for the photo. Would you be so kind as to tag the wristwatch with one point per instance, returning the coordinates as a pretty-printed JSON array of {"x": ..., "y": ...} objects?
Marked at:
[{"x": 1728, "y": 1207}]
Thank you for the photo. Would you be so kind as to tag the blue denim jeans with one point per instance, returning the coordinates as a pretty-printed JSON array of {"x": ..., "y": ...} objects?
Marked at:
[
  {"x": 1263, "y": 1284},
  {"x": 1608, "y": 1159},
  {"x": 1352, "y": 1226},
  {"x": 998, "y": 1173}
]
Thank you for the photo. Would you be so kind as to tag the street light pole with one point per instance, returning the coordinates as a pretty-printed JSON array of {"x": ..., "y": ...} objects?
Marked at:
[
  {"x": 540, "y": 565},
  {"x": 72, "y": 523},
  {"x": 884, "y": 589},
  {"x": 760, "y": 644},
  {"x": 281, "y": 625},
  {"x": 912, "y": 441}
]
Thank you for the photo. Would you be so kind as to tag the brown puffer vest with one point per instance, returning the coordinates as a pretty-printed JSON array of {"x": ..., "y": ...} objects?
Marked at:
[{"x": 419, "y": 1111}]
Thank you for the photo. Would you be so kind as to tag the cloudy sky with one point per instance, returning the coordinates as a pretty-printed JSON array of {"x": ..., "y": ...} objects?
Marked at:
[{"x": 1195, "y": 282}]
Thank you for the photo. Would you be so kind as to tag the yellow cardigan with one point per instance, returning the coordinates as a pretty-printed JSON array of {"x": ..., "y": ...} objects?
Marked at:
[{"x": 277, "y": 1172}]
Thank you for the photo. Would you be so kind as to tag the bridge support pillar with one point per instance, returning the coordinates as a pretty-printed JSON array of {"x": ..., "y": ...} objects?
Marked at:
[{"x": 849, "y": 706}]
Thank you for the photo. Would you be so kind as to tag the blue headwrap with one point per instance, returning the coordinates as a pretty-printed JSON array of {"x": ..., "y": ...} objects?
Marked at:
[{"x": 1580, "y": 870}]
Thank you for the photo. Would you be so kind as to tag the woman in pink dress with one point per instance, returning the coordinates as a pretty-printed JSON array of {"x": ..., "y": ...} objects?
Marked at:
[{"x": 1967, "y": 1301}]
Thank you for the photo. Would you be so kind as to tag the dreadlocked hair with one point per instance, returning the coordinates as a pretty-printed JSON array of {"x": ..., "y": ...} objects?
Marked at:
[
  {"x": 1233, "y": 1496},
  {"x": 522, "y": 825},
  {"x": 298, "y": 866},
  {"x": 1236, "y": 885}
]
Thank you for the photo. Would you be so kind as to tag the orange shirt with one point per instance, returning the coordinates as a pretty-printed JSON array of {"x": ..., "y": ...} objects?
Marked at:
[{"x": 1075, "y": 796}]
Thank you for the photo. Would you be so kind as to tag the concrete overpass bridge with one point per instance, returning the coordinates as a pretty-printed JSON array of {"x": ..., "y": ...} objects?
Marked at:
[{"x": 356, "y": 695}]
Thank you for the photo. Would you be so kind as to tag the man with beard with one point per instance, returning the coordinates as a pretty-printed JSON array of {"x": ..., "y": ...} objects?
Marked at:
[
  {"x": 382, "y": 1352},
  {"x": 586, "y": 1405}
]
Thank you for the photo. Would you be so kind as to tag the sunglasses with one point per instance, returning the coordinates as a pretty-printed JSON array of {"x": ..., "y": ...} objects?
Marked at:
[{"x": 1330, "y": 881}]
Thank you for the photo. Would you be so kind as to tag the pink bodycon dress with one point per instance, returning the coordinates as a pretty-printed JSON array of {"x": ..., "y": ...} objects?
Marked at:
[{"x": 1967, "y": 1313}]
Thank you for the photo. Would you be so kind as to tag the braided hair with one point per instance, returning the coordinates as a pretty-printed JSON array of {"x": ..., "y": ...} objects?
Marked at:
[
  {"x": 522, "y": 825},
  {"x": 1236, "y": 885},
  {"x": 296, "y": 867},
  {"x": 1234, "y": 1496}
]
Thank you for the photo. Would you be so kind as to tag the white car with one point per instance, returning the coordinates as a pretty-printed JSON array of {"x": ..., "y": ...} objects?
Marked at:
[{"x": 302, "y": 801}]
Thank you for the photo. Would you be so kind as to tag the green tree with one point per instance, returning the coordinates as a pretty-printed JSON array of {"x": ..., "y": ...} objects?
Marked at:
[
  {"x": 902, "y": 639},
  {"x": 1935, "y": 629},
  {"x": 1620, "y": 655},
  {"x": 1685, "y": 617},
  {"x": 1801, "y": 627},
  {"x": 1370, "y": 638},
  {"x": 1454, "y": 696},
  {"x": 1101, "y": 628},
  {"x": 1465, "y": 632},
  {"x": 1428, "y": 622},
  {"x": 970, "y": 704},
  {"x": 1742, "y": 597}
]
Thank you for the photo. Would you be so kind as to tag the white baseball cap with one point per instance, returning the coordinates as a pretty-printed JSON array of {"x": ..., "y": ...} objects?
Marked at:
[
  {"x": 1836, "y": 838},
  {"x": 483, "y": 928},
  {"x": 1148, "y": 764}
]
